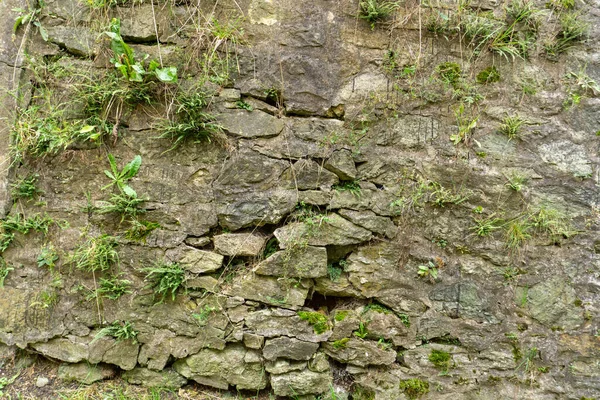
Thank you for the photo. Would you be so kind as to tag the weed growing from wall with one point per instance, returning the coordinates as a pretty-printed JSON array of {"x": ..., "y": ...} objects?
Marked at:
[
  {"x": 96, "y": 254},
  {"x": 165, "y": 278},
  {"x": 119, "y": 331}
]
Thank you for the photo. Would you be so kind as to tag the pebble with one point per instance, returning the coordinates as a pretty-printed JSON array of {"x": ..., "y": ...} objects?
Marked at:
[{"x": 42, "y": 381}]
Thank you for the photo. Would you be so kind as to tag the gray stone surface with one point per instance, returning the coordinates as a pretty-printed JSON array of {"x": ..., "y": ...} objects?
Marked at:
[
  {"x": 284, "y": 347},
  {"x": 324, "y": 231},
  {"x": 251, "y": 125},
  {"x": 223, "y": 368},
  {"x": 342, "y": 164},
  {"x": 165, "y": 379},
  {"x": 239, "y": 244},
  {"x": 302, "y": 262},
  {"x": 85, "y": 373}
]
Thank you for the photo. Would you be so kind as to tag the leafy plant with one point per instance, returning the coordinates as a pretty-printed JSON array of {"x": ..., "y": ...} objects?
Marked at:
[
  {"x": 17, "y": 223},
  {"x": 486, "y": 226},
  {"x": 334, "y": 272},
  {"x": 26, "y": 188},
  {"x": 349, "y": 186},
  {"x": 111, "y": 288},
  {"x": 191, "y": 122},
  {"x": 242, "y": 105},
  {"x": 202, "y": 316},
  {"x": 517, "y": 233},
  {"x": 341, "y": 343},
  {"x": 30, "y": 16},
  {"x": 318, "y": 321},
  {"x": 572, "y": 30},
  {"x": 488, "y": 75},
  {"x": 440, "y": 359},
  {"x": 96, "y": 254},
  {"x": 125, "y": 205},
  {"x": 118, "y": 330},
  {"x": 124, "y": 59},
  {"x": 511, "y": 126},
  {"x": 362, "y": 331},
  {"x": 120, "y": 178},
  {"x": 516, "y": 182},
  {"x": 165, "y": 278},
  {"x": 4, "y": 270},
  {"x": 450, "y": 73},
  {"x": 374, "y": 11},
  {"x": 414, "y": 388},
  {"x": 429, "y": 271},
  {"x": 47, "y": 257},
  {"x": 139, "y": 230},
  {"x": 466, "y": 125}
]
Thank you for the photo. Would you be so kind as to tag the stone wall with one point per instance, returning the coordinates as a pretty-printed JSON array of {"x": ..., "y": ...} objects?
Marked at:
[{"x": 384, "y": 211}]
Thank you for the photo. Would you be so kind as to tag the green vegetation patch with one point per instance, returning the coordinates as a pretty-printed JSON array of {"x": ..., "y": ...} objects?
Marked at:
[
  {"x": 440, "y": 359},
  {"x": 414, "y": 388},
  {"x": 318, "y": 321}
]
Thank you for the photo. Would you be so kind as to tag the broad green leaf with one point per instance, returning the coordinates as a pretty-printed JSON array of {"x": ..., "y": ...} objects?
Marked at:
[
  {"x": 113, "y": 165},
  {"x": 43, "y": 31},
  {"x": 129, "y": 191},
  {"x": 153, "y": 65},
  {"x": 134, "y": 166},
  {"x": 87, "y": 129},
  {"x": 110, "y": 176},
  {"x": 18, "y": 22},
  {"x": 168, "y": 74}
]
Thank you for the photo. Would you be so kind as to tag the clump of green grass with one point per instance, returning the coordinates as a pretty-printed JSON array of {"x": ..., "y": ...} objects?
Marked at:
[
  {"x": 449, "y": 72},
  {"x": 165, "y": 278},
  {"x": 334, "y": 272},
  {"x": 140, "y": 229},
  {"x": 124, "y": 205},
  {"x": 348, "y": 186},
  {"x": 572, "y": 30},
  {"x": 517, "y": 232},
  {"x": 341, "y": 315},
  {"x": 96, "y": 254},
  {"x": 440, "y": 359},
  {"x": 203, "y": 314},
  {"x": 47, "y": 257},
  {"x": 488, "y": 225},
  {"x": 516, "y": 182},
  {"x": 561, "y": 5},
  {"x": 118, "y": 330},
  {"x": 414, "y": 388},
  {"x": 111, "y": 288},
  {"x": 363, "y": 330},
  {"x": 552, "y": 222},
  {"x": 25, "y": 188},
  {"x": 511, "y": 126},
  {"x": 318, "y": 321},
  {"x": 36, "y": 134},
  {"x": 191, "y": 122},
  {"x": 488, "y": 75},
  {"x": 374, "y": 11},
  {"x": 4, "y": 270},
  {"x": 16, "y": 223},
  {"x": 341, "y": 343}
]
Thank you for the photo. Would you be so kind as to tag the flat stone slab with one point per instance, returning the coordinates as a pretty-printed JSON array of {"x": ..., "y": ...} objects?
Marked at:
[
  {"x": 304, "y": 262},
  {"x": 251, "y": 124},
  {"x": 239, "y": 244},
  {"x": 286, "y": 347},
  {"x": 200, "y": 261},
  {"x": 330, "y": 229}
]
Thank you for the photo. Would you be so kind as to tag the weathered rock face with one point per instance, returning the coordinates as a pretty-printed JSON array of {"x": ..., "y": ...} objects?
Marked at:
[{"x": 324, "y": 205}]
